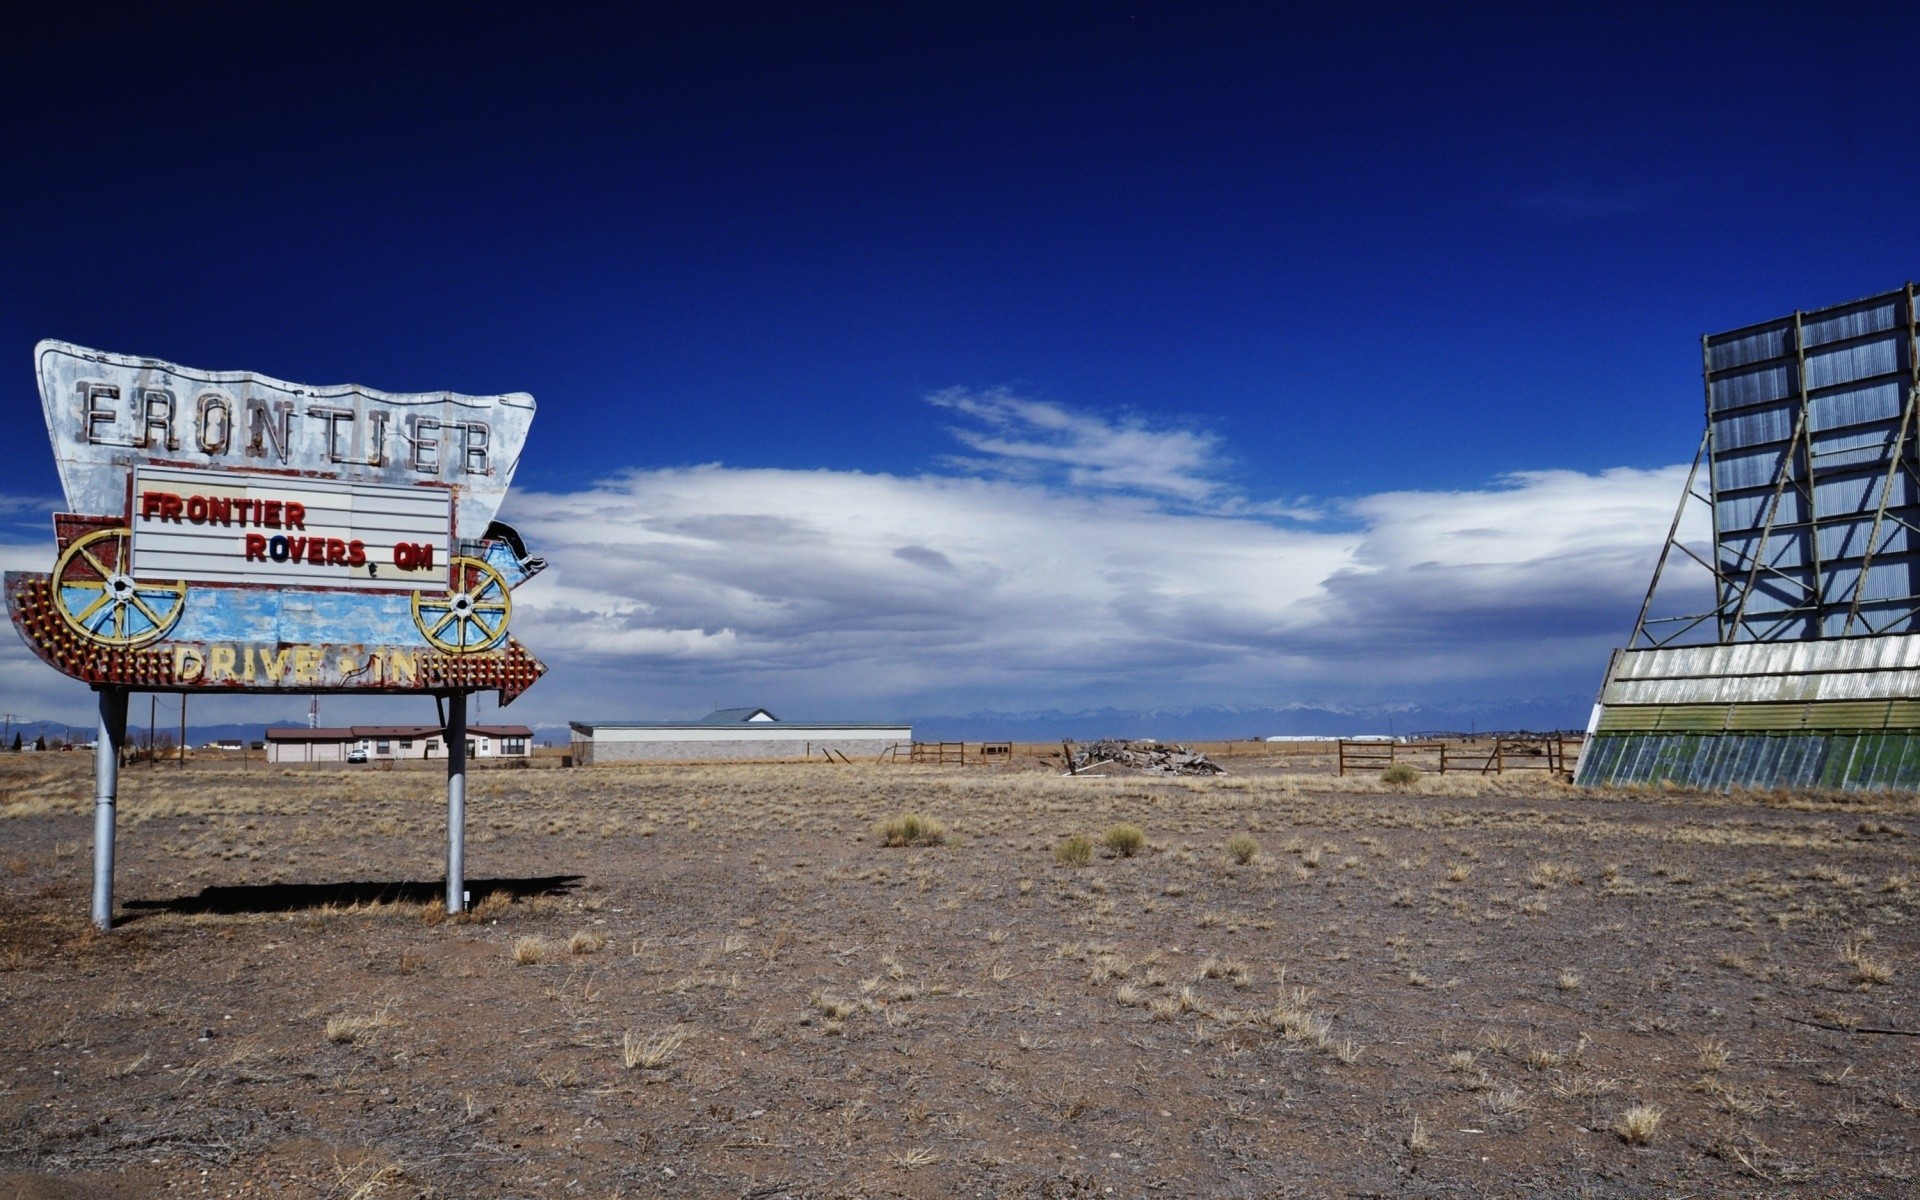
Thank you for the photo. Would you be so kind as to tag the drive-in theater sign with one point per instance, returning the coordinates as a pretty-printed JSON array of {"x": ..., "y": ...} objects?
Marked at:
[{"x": 226, "y": 532}]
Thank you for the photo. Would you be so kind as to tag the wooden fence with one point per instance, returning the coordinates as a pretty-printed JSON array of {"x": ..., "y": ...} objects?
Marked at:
[{"x": 1554, "y": 753}]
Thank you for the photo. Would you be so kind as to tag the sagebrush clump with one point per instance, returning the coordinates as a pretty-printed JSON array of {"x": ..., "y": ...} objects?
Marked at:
[
  {"x": 913, "y": 829},
  {"x": 1639, "y": 1125},
  {"x": 1400, "y": 773},
  {"x": 1124, "y": 840},
  {"x": 1075, "y": 851},
  {"x": 1241, "y": 848}
]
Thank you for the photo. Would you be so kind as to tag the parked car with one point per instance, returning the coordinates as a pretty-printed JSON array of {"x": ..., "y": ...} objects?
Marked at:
[{"x": 356, "y": 755}]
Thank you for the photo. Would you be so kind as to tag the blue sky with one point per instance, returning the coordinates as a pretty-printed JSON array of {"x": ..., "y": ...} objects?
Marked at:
[{"x": 1346, "y": 303}]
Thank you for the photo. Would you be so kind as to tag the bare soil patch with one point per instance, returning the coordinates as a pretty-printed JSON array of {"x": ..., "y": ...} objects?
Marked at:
[{"x": 720, "y": 981}]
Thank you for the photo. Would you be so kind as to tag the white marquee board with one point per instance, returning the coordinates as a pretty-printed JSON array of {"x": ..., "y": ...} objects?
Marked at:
[{"x": 229, "y": 527}]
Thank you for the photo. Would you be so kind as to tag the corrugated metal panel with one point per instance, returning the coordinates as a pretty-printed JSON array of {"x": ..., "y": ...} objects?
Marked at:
[
  {"x": 1756, "y": 385},
  {"x": 1889, "y": 580},
  {"x": 1753, "y": 718},
  {"x": 1844, "y": 761},
  {"x": 1756, "y": 426},
  {"x": 1903, "y": 714},
  {"x": 1861, "y": 449},
  {"x": 1691, "y": 717},
  {"x": 1847, "y": 714},
  {"x": 1848, "y": 539},
  {"x": 1788, "y": 697},
  {"x": 1748, "y": 510},
  {"x": 1765, "y": 689},
  {"x": 1853, "y": 375},
  {"x": 1799, "y": 762},
  {"x": 1850, "y": 495},
  {"x": 1845, "y": 321},
  {"x": 1852, "y": 363},
  {"x": 1770, "y": 717},
  {"x": 1737, "y": 350},
  {"x": 1858, "y": 405},
  {"x": 1888, "y": 653},
  {"x": 1751, "y": 469}
]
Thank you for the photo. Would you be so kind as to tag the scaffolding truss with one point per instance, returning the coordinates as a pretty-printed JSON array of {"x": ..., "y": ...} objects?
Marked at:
[{"x": 1811, "y": 483}]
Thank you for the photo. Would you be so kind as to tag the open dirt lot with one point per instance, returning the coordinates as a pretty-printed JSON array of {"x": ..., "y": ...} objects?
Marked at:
[{"x": 718, "y": 981}]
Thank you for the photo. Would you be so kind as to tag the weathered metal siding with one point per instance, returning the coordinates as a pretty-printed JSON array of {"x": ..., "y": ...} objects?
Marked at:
[
  {"x": 1849, "y": 715},
  {"x": 1867, "y": 668},
  {"x": 1834, "y": 713},
  {"x": 1720, "y": 761},
  {"x": 1812, "y": 475}
]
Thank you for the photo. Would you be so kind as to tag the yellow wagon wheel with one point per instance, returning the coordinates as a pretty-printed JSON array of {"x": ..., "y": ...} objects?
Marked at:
[
  {"x": 102, "y": 602},
  {"x": 473, "y": 613}
]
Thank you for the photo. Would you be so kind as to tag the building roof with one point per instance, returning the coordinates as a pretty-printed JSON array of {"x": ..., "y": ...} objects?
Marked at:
[
  {"x": 734, "y": 716},
  {"x": 719, "y": 716},
  {"x": 353, "y": 733},
  {"x": 792, "y": 728}
]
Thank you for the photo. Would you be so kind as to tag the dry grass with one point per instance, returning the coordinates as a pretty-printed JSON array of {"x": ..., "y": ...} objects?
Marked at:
[
  {"x": 586, "y": 941},
  {"x": 1508, "y": 1101},
  {"x": 1124, "y": 840},
  {"x": 1640, "y": 1124},
  {"x": 1713, "y": 1054},
  {"x": 912, "y": 829},
  {"x": 344, "y": 1027},
  {"x": 1418, "y": 1140},
  {"x": 492, "y": 906},
  {"x": 1868, "y": 971},
  {"x": 961, "y": 1014},
  {"x": 651, "y": 1052}
]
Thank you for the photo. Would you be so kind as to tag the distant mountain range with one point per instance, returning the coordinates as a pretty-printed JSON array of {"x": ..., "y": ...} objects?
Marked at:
[
  {"x": 1050, "y": 725},
  {"x": 1220, "y": 724}
]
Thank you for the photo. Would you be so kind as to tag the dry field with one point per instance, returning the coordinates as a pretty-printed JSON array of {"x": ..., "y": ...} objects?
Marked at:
[{"x": 723, "y": 981}]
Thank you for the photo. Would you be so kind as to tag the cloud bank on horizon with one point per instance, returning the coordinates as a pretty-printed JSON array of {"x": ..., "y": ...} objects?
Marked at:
[{"x": 1066, "y": 560}]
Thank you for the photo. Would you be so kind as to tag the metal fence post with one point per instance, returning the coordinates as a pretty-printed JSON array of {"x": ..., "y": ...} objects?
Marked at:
[
  {"x": 109, "y": 738},
  {"x": 456, "y": 803}
]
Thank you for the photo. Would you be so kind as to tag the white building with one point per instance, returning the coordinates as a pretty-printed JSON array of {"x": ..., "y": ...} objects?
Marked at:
[
  {"x": 1334, "y": 737},
  {"x": 382, "y": 742},
  {"x": 731, "y": 734}
]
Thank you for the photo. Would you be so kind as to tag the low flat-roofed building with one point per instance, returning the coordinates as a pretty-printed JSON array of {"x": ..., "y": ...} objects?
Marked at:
[
  {"x": 385, "y": 742},
  {"x": 731, "y": 734}
]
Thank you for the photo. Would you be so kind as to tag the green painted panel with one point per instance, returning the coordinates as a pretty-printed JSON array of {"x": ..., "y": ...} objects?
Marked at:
[
  {"x": 1847, "y": 714},
  {"x": 1718, "y": 761},
  {"x": 1766, "y": 717}
]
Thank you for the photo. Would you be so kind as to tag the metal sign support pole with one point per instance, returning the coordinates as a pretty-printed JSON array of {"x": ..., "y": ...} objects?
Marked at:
[
  {"x": 108, "y": 740},
  {"x": 456, "y": 803}
]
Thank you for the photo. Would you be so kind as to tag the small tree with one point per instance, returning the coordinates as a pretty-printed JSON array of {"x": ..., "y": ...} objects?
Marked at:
[
  {"x": 16, "y": 743},
  {"x": 40, "y": 743}
]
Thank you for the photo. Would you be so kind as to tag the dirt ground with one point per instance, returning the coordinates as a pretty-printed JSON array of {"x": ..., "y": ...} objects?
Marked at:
[{"x": 718, "y": 981}]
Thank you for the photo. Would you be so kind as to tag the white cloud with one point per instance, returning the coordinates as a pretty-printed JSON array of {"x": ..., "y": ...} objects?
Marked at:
[
  {"x": 847, "y": 592},
  {"x": 1030, "y": 580},
  {"x": 1039, "y": 440}
]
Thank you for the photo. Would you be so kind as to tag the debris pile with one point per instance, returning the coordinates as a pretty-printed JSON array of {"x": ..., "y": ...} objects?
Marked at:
[{"x": 1153, "y": 758}]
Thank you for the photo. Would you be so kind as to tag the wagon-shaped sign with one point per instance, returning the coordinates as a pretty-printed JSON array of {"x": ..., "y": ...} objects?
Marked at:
[{"x": 227, "y": 531}]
